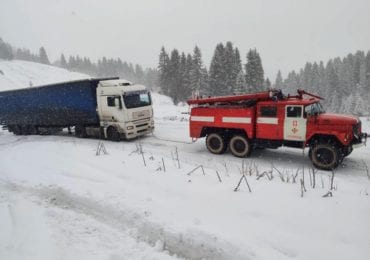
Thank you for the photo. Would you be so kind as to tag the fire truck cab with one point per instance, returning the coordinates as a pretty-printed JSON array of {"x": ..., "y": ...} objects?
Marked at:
[{"x": 269, "y": 119}]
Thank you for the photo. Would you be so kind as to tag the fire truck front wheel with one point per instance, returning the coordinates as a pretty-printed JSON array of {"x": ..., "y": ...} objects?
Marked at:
[
  {"x": 215, "y": 143},
  {"x": 240, "y": 146},
  {"x": 325, "y": 156}
]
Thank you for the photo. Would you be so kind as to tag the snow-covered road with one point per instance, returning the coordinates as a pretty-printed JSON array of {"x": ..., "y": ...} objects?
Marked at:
[{"x": 59, "y": 200}]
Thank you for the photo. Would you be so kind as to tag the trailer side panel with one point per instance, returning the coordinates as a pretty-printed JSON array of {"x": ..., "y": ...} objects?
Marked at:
[{"x": 57, "y": 105}]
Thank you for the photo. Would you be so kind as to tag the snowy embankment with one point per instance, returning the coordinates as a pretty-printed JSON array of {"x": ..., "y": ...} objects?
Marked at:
[
  {"x": 59, "y": 200},
  {"x": 22, "y": 74}
]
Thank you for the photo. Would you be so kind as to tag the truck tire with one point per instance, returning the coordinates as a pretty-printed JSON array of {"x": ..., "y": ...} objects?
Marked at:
[
  {"x": 113, "y": 134},
  {"x": 240, "y": 146},
  {"x": 80, "y": 131},
  {"x": 215, "y": 143},
  {"x": 325, "y": 156}
]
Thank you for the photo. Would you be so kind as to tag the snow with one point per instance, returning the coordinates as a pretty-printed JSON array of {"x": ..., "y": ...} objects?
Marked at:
[
  {"x": 22, "y": 74},
  {"x": 59, "y": 200}
]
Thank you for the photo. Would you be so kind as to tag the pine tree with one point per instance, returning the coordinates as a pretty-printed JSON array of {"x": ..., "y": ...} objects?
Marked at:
[
  {"x": 43, "y": 57},
  {"x": 6, "y": 51},
  {"x": 204, "y": 88},
  {"x": 332, "y": 87},
  {"x": 183, "y": 84},
  {"x": 344, "y": 83},
  {"x": 238, "y": 70},
  {"x": 63, "y": 62},
  {"x": 240, "y": 83},
  {"x": 315, "y": 78},
  {"x": 356, "y": 68},
  {"x": 307, "y": 76},
  {"x": 163, "y": 68},
  {"x": 254, "y": 74},
  {"x": 279, "y": 81},
  {"x": 367, "y": 72},
  {"x": 196, "y": 70},
  {"x": 139, "y": 73},
  {"x": 217, "y": 73},
  {"x": 322, "y": 79},
  {"x": 187, "y": 77},
  {"x": 72, "y": 63},
  {"x": 267, "y": 83},
  {"x": 260, "y": 77},
  {"x": 229, "y": 67},
  {"x": 175, "y": 77}
]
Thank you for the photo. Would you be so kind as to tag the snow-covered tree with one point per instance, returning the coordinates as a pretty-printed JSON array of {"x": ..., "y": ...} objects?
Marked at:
[
  {"x": 217, "y": 73},
  {"x": 267, "y": 84},
  {"x": 63, "y": 62},
  {"x": 163, "y": 68},
  {"x": 175, "y": 76},
  {"x": 196, "y": 65},
  {"x": 240, "y": 86},
  {"x": 43, "y": 56},
  {"x": 254, "y": 74},
  {"x": 6, "y": 51},
  {"x": 278, "y": 81}
]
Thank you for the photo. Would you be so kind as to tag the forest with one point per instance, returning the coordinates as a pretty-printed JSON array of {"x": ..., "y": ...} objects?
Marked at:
[{"x": 344, "y": 82}]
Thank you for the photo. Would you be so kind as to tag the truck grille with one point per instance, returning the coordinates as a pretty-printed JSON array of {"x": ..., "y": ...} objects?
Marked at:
[
  {"x": 141, "y": 125},
  {"x": 140, "y": 114}
]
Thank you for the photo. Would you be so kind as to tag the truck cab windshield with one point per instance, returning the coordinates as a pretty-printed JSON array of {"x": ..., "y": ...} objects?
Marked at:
[
  {"x": 314, "y": 109},
  {"x": 137, "y": 99}
]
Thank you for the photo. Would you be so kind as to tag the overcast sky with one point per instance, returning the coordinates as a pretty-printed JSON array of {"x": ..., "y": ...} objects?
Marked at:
[{"x": 287, "y": 33}]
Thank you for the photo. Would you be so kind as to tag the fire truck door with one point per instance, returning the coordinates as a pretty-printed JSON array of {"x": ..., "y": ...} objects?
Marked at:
[
  {"x": 294, "y": 124},
  {"x": 268, "y": 126}
]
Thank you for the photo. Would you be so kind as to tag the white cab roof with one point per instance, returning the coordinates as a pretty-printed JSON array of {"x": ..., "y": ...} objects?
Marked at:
[{"x": 115, "y": 83}]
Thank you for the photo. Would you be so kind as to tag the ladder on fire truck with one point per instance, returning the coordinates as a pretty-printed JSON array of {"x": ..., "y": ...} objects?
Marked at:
[
  {"x": 248, "y": 98},
  {"x": 237, "y": 99}
]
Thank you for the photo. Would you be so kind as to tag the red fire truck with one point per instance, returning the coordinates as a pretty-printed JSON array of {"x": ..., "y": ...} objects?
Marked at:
[{"x": 270, "y": 119}]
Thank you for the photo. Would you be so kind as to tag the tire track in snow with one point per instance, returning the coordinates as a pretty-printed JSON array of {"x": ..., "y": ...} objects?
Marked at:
[{"x": 192, "y": 244}]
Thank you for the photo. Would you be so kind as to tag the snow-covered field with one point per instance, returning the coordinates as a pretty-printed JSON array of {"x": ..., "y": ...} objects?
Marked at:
[
  {"x": 23, "y": 74},
  {"x": 59, "y": 200}
]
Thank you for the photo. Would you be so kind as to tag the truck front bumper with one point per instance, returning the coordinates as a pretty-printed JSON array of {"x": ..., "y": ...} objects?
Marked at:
[
  {"x": 139, "y": 131},
  {"x": 360, "y": 140}
]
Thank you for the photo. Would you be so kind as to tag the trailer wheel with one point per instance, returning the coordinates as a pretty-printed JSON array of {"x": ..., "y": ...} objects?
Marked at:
[
  {"x": 325, "y": 156},
  {"x": 240, "y": 146},
  {"x": 215, "y": 143},
  {"x": 113, "y": 135},
  {"x": 80, "y": 131}
]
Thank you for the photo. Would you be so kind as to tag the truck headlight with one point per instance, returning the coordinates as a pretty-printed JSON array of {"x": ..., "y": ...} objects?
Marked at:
[{"x": 130, "y": 127}]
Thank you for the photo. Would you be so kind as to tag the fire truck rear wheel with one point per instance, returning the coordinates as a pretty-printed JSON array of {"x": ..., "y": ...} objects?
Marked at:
[
  {"x": 215, "y": 143},
  {"x": 325, "y": 156},
  {"x": 240, "y": 146}
]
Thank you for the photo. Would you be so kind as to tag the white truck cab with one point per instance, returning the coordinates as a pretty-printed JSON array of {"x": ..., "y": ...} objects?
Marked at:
[{"x": 125, "y": 109}]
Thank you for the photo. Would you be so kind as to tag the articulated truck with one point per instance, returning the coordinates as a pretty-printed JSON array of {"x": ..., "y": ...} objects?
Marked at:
[{"x": 110, "y": 108}]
